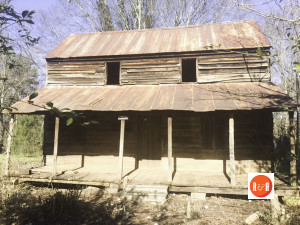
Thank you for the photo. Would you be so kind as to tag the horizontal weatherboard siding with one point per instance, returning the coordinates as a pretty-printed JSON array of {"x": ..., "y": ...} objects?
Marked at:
[
  {"x": 233, "y": 67},
  {"x": 151, "y": 71},
  {"x": 76, "y": 73}
]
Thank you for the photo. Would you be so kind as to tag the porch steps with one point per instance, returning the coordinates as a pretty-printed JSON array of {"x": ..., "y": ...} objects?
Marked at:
[{"x": 149, "y": 193}]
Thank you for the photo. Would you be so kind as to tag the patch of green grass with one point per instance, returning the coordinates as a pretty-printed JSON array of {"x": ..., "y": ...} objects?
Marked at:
[
  {"x": 27, "y": 159},
  {"x": 21, "y": 159},
  {"x": 292, "y": 201},
  {"x": 2, "y": 158},
  {"x": 18, "y": 162}
]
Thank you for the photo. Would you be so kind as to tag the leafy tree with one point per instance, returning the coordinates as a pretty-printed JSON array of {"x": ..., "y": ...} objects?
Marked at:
[
  {"x": 17, "y": 77},
  {"x": 16, "y": 83},
  {"x": 10, "y": 18},
  {"x": 28, "y": 135}
]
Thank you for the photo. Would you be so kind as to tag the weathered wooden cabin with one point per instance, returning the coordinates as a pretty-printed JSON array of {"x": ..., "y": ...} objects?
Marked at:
[{"x": 194, "y": 103}]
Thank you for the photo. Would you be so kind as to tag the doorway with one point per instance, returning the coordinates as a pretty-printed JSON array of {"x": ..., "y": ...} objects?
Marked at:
[{"x": 149, "y": 141}]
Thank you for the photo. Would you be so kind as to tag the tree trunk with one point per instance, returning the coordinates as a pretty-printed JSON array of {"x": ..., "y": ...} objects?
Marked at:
[{"x": 293, "y": 163}]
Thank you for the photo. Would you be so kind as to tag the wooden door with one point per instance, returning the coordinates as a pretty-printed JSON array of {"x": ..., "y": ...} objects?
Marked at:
[{"x": 149, "y": 141}]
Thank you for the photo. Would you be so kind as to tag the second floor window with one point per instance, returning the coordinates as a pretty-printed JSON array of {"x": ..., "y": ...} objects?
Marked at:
[
  {"x": 113, "y": 73},
  {"x": 189, "y": 69}
]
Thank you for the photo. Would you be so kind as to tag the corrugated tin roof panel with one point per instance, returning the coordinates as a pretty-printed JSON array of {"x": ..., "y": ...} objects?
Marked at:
[
  {"x": 187, "y": 97},
  {"x": 233, "y": 35}
]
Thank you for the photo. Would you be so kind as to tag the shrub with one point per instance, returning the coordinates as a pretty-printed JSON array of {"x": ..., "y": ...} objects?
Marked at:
[
  {"x": 21, "y": 207},
  {"x": 28, "y": 135}
]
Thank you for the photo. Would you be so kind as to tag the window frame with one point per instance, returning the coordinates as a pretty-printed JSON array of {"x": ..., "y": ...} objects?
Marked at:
[
  {"x": 106, "y": 72},
  {"x": 196, "y": 62}
]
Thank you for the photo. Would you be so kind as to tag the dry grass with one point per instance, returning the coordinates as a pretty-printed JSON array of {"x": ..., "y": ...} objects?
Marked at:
[
  {"x": 287, "y": 216},
  {"x": 19, "y": 206},
  {"x": 25, "y": 204}
]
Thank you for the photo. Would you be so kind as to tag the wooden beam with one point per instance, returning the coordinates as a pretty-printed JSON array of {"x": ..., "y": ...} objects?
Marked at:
[
  {"x": 121, "y": 149},
  {"x": 231, "y": 150},
  {"x": 210, "y": 190},
  {"x": 55, "y": 150},
  {"x": 293, "y": 163},
  {"x": 78, "y": 182},
  {"x": 8, "y": 145},
  {"x": 228, "y": 190},
  {"x": 170, "y": 150}
]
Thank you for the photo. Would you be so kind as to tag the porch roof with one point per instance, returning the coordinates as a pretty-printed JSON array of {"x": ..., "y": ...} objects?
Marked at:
[{"x": 187, "y": 97}]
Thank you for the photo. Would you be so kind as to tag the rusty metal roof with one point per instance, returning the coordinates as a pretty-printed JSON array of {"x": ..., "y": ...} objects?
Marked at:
[
  {"x": 229, "y": 35},
  {"x": 187, "y": 97}
]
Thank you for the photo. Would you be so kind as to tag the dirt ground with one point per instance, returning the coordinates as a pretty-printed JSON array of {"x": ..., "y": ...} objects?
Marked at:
[
  {"x": 215, "y": 210},
  {"x": 33, "y": 205}
]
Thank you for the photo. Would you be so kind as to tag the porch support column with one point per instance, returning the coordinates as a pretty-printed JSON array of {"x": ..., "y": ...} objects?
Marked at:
[
  {"x": 54, "y": 171},
  {"x": 121, "y": 149},
  {"x": 231, "y": 150},
  {"x": 293, "y": 163},
  {"x": 170, "y": 150},
  {"x": 8, "y": 145}
]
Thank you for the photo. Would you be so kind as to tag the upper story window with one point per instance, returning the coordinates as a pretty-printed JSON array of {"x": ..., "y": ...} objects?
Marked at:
[
  {"x": 112, "y": 73},
  {"x": 189, "y": 68}
]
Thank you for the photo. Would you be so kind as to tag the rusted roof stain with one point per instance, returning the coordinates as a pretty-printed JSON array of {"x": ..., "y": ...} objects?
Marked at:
[
  {"x": 223, "y": 36},
  {"x": 187, "y": 97}
]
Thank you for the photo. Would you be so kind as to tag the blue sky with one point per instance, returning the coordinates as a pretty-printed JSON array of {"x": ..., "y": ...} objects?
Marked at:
[{"x": 21, "y": 5}]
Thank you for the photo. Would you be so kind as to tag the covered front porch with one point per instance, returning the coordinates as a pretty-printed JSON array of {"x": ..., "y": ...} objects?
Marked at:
[
  {"x": 165, "y": 143},
  {"x": 169, "y": 150},
  {"x": 193, "y": 135}
]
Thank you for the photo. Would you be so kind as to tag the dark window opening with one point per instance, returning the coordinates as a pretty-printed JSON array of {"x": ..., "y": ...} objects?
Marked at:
[
  {"x": 188, "y": 70},
  {"x": 113, "y": 73}
]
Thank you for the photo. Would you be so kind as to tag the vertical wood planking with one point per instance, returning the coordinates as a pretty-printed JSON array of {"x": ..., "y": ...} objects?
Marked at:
[
  {"x": 231, "y": 150},
  {"x": 55, "y": 150},
  {"x": 213, "y": 133},
  {"x": 293, "y": 163},
  {"x": 8, "y": 148},
  {"x": 170, "y": 162},
  {"x": 121, "y": 149}
]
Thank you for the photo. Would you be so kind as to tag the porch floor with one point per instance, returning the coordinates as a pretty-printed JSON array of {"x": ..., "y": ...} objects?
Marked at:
[
  {"x": 141, "y": 176},
  {"x": 207, "y": 179}
]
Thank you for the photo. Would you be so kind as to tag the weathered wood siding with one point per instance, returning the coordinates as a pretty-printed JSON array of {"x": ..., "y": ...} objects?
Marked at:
[
  {"x": 194, "y": 134},
  {"x": 151, "y": 71},
  {"x": 97, "y": 144},
  {"x": 216, "y": 66},
  {"x": 200, "y": 140},
  {"x": 48, "y": 144},
  {"x": 232, "y": 66},
  {"x": 76, "y": 73},
  {"x": 94, "y": 139}
]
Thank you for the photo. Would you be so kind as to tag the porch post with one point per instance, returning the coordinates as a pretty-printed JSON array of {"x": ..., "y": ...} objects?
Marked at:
[
  {"x": 55, "y": 146},
  {"x": 121, "y": 149},
  {"x": 170, "y": 162},
  {"x": 293, "y": 163},
  {"x": 8, "y": 148},
  {"x": 231, "y": 150}
]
